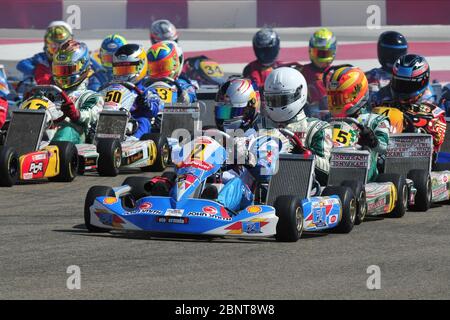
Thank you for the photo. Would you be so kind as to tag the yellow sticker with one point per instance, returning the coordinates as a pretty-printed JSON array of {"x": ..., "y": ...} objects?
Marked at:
[
  {"x": 254, "y": 209},
  {"x": 34, "y": 104},
  {"x": 113, "y": 96},
  {"x": 109, "y": 200},
  {"x": 165, "y": 94},
  {"x": 212, "y": 69},
  {"x": 341, "y": 137}
]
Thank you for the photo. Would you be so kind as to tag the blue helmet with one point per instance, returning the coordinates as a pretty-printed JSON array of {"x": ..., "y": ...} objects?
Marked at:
[
  {"x": 391, "y": 46},
  {"x": 109, "y": 46}
]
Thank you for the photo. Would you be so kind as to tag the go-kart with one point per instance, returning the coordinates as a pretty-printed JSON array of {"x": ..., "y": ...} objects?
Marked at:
[
  {"x": 391, "y": 193},
  {"x": 410, "y": 151},
  {"x": 113, "y": 146},
  {"x": 289, "y": 208},
  {"x": 26, "y": 153}
]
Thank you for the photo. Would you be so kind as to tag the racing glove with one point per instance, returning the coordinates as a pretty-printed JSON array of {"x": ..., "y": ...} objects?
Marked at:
[
  {"x": 368, "y": 138},
  {"x": 70, "y": 111},
  {"x": 147, "y": 104}
]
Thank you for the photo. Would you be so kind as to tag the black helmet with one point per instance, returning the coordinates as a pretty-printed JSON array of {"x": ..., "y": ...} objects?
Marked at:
[
  {"x": 266, "y": 44},
  {"x": 391, "y": 46}
]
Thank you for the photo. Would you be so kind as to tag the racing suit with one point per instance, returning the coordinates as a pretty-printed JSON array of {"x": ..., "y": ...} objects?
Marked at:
[
  {"x": 385, "y": 94},
  {"x": 444, "y": 101},
  {"x": 4, "y": 91},
  {"x": 144, "y": 110},
  {"x": 380, "y": 127},
  {"x": 258, "y": 72},
  {"x": 80, "y": 116},
  {"x": 37, "y": 67},
  {"x": 182, "y": 91},
  {"x": 100, "y": 77}
]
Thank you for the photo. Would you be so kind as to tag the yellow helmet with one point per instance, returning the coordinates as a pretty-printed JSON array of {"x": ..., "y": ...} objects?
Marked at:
[{"x": 322, "y": 48}]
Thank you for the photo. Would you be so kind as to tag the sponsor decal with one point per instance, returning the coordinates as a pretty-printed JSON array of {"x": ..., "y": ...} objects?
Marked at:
[
  {"x": 109, "y": 200},
  {"x": 377, "y": 204},
  {"x": 209, "y": 210},
  {"x": 135, "y": 157},
  {"x": 251, "y": 227},
  {"x": 176, "y": 220},
  {"x": 254, "y": 209},
  {"x": 203, "y": 214},
  {"x": 333, "y": 219},
  {"x": 145, "y": 206},
  {"x": 35, "y": 168},
  {"x": 174, "y": 212},
  {"x": 37, "y": 157},
  {"x": 27, "y": 176},
  {"x": 199, "y": 164},
  {"x": 109, "y": 219}
]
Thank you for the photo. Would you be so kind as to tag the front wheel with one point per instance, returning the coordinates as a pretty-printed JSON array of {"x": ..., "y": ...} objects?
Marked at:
[
  {"x": 109, "y": 157},
  {"x": 290, "y": 218},
  {"x": 402, "y": 192},
  {"x": 424, "y": 195},
  {"x": 9, "y": 166},
  {"x": 68, "y": 161},
  {"x": 349, "y": 207},
  {"x": 93, "y": 193},
  {"x": 162, "y": 152}
]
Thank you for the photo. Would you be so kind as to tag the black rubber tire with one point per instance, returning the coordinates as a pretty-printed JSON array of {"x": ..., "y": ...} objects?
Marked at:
[
  {"x": 290, "y": 218},
  {"x": 140, "y": 186},
  {"x": 9, "y": 166},
  {"x": 349, "y": 207},
  {"x": 108, "y": 157},
  {"x": 424, "y": 195},
  {"x": 93, "y": 193},
  {"x": 162, "y": 155},
  {"x": 402, "y": 192},
  {"x": 68, "y": 161},
  {"x": 360, "y": 193}
]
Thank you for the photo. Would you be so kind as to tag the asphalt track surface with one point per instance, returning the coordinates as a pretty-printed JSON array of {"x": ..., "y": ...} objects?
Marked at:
[{"x": 42, "y": 234}]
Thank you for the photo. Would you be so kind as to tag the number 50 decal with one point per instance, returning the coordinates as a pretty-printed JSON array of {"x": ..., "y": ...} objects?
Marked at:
[{"x": 113, "y": 96}]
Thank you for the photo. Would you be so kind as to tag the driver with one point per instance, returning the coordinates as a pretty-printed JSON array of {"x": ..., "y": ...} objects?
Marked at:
[
  {"x": 348, "y": 95},
  {"x": 285, "y": 99},
  {"x": 130, "y": 64},
  {"x": 38, "y": 66},
  {"x": 266, "y": 45},
  {"x": 237, "y": 108},
  {"x": 410, "y": 80},
  {"x": 165, "y": 62},
  {"x": 70, "y": 70},
  {"x": 161, "y": 30},
  {"x": 4, "y": 91}
]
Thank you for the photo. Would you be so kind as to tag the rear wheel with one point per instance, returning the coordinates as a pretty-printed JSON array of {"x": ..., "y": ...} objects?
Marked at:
[
  {"x": 360, "y": 194},
  {"x": 110, "y": 157},
  {"x": 162, "y": 152},
  {"x": 349, "y": 207},
  {"x": 68, "y": 161},
  {"x": 290, "y": 218},
  {"x": 402, "y": 192},
  {"x": 93, "y": 193},
  {"x": 9, "y": 166},
  {"x": 422, "y": 182}
]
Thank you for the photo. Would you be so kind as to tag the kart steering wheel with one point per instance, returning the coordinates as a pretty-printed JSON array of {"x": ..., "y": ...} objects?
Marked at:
[
  {"x": 54, "y": 93},
  {"x": 294, "y": 139}
]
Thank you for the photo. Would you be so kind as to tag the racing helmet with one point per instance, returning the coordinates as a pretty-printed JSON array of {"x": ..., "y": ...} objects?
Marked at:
[
  {"x": 130, "y": 63},
  {"x": 347, "y": 91},
  {"x": 163, "y": 30},
  {"x": 322, "y": 48},
  {"x": 410, "y": 78},
  {"x": 237, "y": 105},
  {"x": 56, "y": 34},
  {"x": 266, "y": 45},
  {"x": 285, "y": 94},
  {"x": 109, "y": 45},
  {"x": 163, "y": 61},
  {"x": 71, "y": 64},
  {"x": 391, "y": 46}
]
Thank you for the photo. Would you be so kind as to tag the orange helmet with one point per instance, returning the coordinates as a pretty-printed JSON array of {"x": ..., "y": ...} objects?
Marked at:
[{"x": 347, "y": 91}]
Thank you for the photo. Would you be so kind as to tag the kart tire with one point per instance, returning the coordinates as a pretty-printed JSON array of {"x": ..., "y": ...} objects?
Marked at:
[
  {"x": 109, "y": 157},
  {"x": 68, "y": 161},
  {"x": 402, "y": 192},
  {"x": 162, "y": 155},
  {"x": 290, "y": 218},
  {"x": 93, "y": 193},
  {"x": 140, "y": 186},
  {"x": 9, "y": 166},
  {"x": 424, "y": 195},
  {"x": 349, "y": 207},
  {"x": 360, "y": 194}
]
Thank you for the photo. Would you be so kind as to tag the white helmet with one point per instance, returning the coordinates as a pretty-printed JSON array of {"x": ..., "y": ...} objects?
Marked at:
[
  {"x": 163, "y": 30},
  {"x": 285, "y": 94}
]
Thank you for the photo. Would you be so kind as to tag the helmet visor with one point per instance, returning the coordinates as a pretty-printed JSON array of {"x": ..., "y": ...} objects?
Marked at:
[
  {"x": 125, "y": 68},
  {"x": 65, "y": 70},
  {"x": 267, "y": 55},
  {"x": 228, "y": 112},
  {"x": 282, "y": 100},
  {"x": 107, "y": 59},
  {"x": 322, "y": 53},
  {"x": 407, "y": 87},
  {"x": 161, "y": 68}
]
